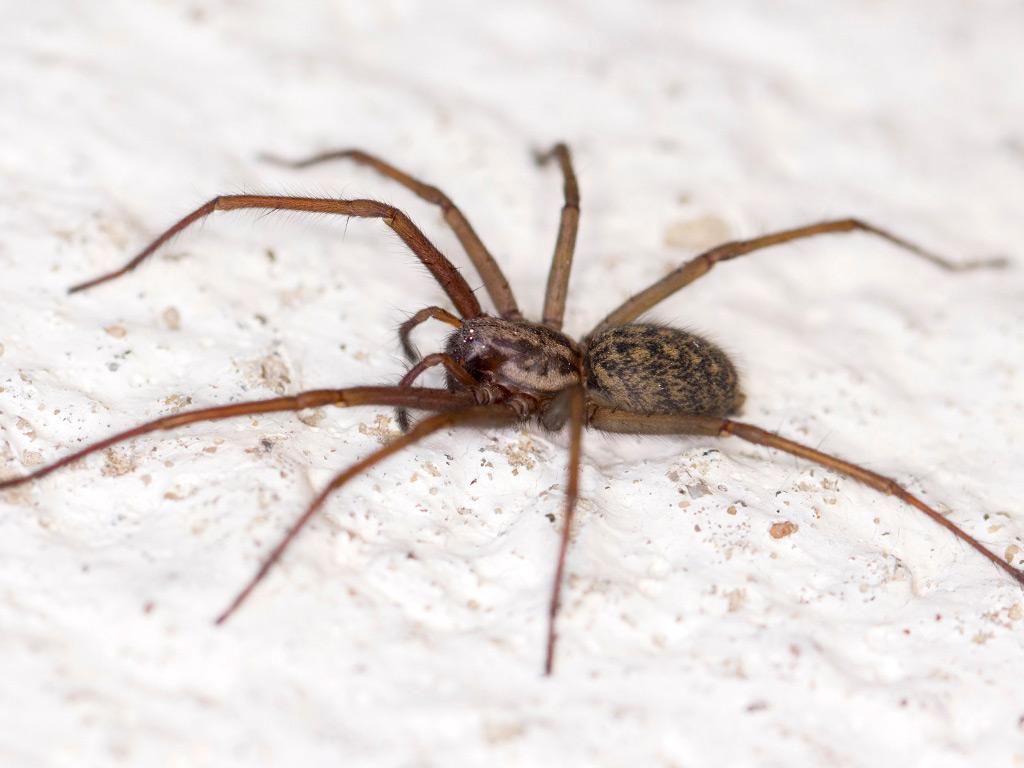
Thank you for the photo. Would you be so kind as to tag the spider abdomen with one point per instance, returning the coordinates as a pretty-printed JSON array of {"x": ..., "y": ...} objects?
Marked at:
[{"x": 649, "y": 369}]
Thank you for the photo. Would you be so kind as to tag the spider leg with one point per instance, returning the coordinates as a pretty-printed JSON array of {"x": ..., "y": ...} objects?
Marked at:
[
  {"x": 444, "y": 271},
  {"x": 481, "y": 414},
  {"x": 428, "y": 399},
  {"x": 494, "y": 280},
  {"x": 435, "y": 313},
  {"x": 565, "y": 244},
  {"x": 457, "y": 373},
  {"x": 576, "y": 421},
  {"x": 610, "y": 420},
  {"x": 700, "y": 265}
]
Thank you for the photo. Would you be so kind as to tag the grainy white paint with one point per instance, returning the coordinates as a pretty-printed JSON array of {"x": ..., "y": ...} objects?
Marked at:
[{"x": 406, "y": 627}]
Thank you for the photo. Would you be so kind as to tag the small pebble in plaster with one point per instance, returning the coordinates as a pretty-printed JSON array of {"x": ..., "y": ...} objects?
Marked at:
[
  {"x": 31, "y": 458},
  {"x": 313, "y": 417},
  {"x": 1011, "y": 552},
  {"x": 524, "y": 454},
  {"x": 269, "y": 371},
  {"x": 171, "y": 318},
  {"x": 178, "y": 401},
  {"x": 1, "y": 350},
  {"x": 274, "y": 373},
  {"x": 117, "y": 464},
  {"x": 381, "y": 429},
  {"x": 698, "y": 489},
  {"x": 735, "y": 598},
  {"x": 117, "y": 331},
  {"x": 782, "y": 530}
]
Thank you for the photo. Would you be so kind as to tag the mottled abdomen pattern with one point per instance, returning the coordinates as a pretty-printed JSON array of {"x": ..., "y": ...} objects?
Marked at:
[{"x": 653, "y": 369}]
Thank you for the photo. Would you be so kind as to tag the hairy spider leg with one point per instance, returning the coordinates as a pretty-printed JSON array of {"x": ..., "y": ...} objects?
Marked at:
[
  {"x": 458, "y": 374},
  {"x": 495, "y": 284},
  {"x": 565, "y": 244},
  {"x": 572, "y": 490},
  {"x": 700, "y": 265},
  {"x": 427, "y": 399},
  {"x": 435, "y": 313},
  {"x": 610, "y": 420},
  {"x": 485, "y": 413},
  {"x": 443, "y": 271}
]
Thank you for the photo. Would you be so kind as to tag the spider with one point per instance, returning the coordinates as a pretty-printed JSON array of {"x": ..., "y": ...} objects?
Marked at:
[{"x": 624, "y": 376}]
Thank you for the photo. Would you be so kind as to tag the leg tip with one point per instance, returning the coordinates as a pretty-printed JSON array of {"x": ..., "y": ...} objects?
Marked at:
[
  {"x": 542, "y": 156},
  {"x": 995, "y": 262}
]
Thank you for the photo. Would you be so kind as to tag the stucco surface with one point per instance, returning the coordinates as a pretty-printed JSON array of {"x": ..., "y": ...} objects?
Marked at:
[{"x": 405, "y": 627}]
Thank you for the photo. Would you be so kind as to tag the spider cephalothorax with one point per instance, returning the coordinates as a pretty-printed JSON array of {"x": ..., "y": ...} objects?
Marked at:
[
  {"x": 624, "y": 377},
  {"x": 516, "y": 355}
]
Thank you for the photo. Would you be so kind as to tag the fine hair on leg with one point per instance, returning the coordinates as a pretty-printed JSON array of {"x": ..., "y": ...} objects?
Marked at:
[
  {"x": 701, "y": 264},
  {"x": 443, "y": 271},
  {"x": 565, "y": 243},
  {"x": 427, "y": 399},
  {"x": 610, "y": 420},
  {"x": 572, "y": 492},
  {"x": 487, "y": 414},
  {"x": 495, "y": 284}
]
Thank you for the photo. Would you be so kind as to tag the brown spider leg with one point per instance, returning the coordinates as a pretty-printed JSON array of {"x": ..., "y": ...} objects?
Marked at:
[
  {"x": 444, "y": 271},
  {"x": 565, "y": 244},
  {"x": 700, "y": 265},
  {"x": 436, "y": 313},
  {"x": 456, "y": 371},
  {"x": 495, "y": 284},
  {"x": 427, "y": 399},
  {"x": 487, "y": 414},
  {"x": 610, "y": 420},
  {"x": 571, "y": 494}
]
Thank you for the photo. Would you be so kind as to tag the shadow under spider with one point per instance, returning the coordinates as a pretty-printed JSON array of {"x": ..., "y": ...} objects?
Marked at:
[{"x": 624, "y": 376}]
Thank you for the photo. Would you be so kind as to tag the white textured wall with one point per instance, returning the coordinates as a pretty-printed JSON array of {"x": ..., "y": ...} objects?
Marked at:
[{"x": 405, "y": 628}]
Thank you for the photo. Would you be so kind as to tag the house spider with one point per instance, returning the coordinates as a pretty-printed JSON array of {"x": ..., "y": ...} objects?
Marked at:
[{"x": 624, "y": 376}]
